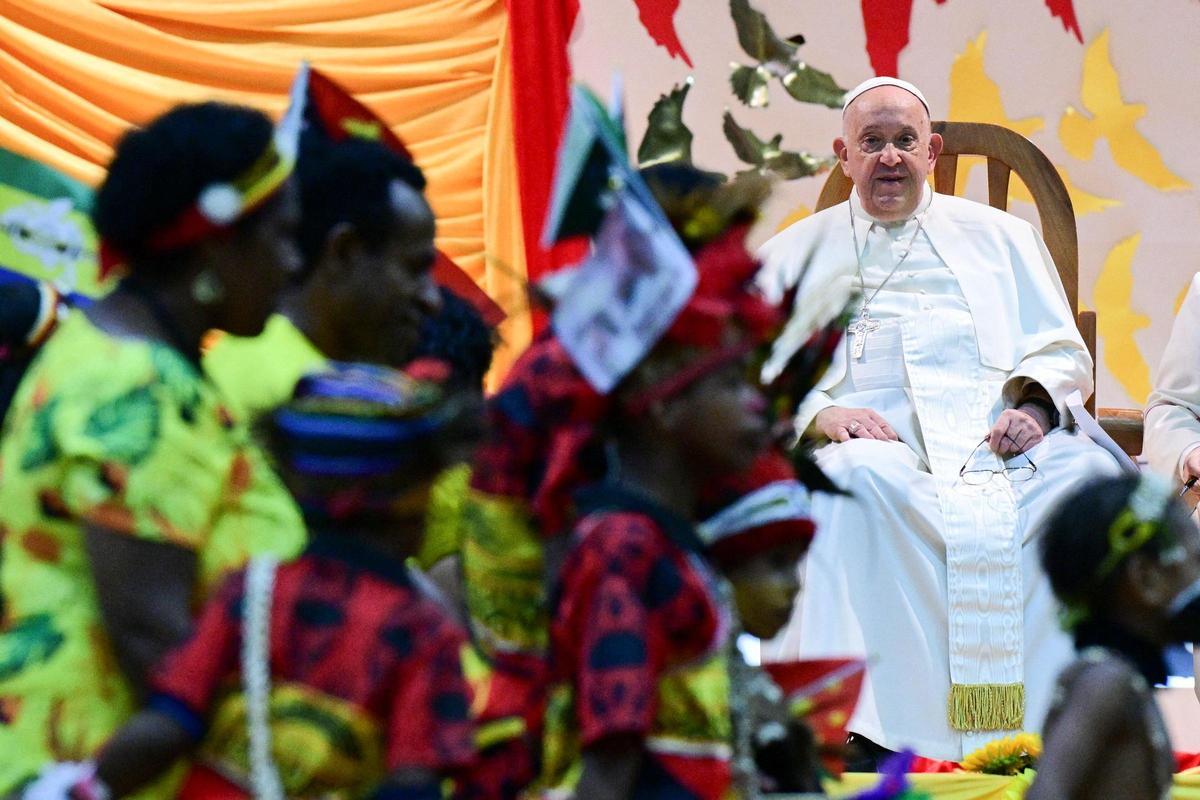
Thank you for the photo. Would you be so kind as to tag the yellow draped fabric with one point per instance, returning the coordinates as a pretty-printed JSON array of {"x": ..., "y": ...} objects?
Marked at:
[
  {"x": 74, "y": 74},
  {"x": 971, "y": 786}
]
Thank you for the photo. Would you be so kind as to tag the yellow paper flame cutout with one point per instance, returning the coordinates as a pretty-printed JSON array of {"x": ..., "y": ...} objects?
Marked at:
[
  {"x": 1116, "y": 321},
  {"x": 975, "y": 97},
  {"x": 1112, "y": 119}
]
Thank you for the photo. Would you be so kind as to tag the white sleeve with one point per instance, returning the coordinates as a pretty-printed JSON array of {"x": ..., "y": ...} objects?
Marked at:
[{"x": 1173, "y": 410}]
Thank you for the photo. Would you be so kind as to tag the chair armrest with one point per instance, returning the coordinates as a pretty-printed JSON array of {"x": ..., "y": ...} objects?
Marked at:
[{"x": 1124, "y": 425}]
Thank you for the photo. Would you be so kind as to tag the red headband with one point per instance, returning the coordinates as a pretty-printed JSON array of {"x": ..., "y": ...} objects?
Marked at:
[
  {"x": 754, "y": 511},
  {"x": 214, "y": 211}
]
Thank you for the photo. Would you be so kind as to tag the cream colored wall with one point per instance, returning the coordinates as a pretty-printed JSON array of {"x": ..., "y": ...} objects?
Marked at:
[{"x": 1138, "y": 250}]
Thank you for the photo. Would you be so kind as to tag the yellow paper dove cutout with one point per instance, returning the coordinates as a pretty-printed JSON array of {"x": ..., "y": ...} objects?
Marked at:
[
  {"x": 1082, "y": 202},
  {"x": 1112, "y": 119},
  {"x": 1182, "y": 296},
  {"x": 975, "y": 97},
  {"x": 1116, "y": 321}
]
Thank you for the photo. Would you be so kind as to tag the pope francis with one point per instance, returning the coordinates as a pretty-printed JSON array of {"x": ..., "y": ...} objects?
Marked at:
[{"x": 943, "y": 414}]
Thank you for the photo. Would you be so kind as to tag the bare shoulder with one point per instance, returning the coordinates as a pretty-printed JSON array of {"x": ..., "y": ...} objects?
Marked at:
[{"x": 1104, "y": 690}]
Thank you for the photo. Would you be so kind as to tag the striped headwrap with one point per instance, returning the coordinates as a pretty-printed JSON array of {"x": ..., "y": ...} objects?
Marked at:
[{"x": 355, "y": 421}]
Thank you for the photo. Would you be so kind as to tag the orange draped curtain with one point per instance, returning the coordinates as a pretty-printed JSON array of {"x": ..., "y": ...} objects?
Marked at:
[{"x": 75, "y": 74}]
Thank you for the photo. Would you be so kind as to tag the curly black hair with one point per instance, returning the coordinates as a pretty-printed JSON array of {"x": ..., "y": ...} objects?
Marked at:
[
  {"x": 458, "y": 335},
  {"x": 158, "y": 171},
  {"x": 1075, "y": 541}
]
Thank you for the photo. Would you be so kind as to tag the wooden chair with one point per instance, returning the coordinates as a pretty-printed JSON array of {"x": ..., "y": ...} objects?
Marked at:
[{"x": 1008, "y": 152}]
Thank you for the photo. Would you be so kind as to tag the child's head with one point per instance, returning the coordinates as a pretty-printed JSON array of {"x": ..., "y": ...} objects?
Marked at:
[
  {"x": 1123, "y": 551},
  {"x": 458, "y": 335},
  {"x": 716, "y": 421},
  {"x": 760, "y": 529},
  {"x": 358, "y": 448}
]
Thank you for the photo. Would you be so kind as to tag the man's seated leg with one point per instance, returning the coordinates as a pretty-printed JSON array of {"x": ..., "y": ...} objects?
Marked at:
[{"x": 875, "y": 584}]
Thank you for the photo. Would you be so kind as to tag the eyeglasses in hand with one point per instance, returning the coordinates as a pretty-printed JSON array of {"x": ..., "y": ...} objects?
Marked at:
[{"x": 978, "y": 476}]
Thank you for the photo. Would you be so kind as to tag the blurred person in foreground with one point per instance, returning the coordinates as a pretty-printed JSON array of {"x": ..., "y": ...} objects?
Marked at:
[
  {"x": 758, "y": 531},
  {"x": 366, "y": 241},
  {"x": 642, "y": 647},
  {"x": 1124, "y": 561},
  {"x": 129, "y": 488},
  {"x": 337, "y": 673}
]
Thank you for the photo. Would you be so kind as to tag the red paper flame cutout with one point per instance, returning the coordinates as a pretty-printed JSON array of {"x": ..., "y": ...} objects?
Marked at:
[
  {"x": 658, "y": 18},
  {"x": 887, "y": 24}
]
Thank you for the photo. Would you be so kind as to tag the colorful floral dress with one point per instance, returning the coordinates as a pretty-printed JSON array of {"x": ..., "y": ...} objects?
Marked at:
[
  {"x": 366, "y": 677},
  {"x": 640, "y": 646},
  {"x": 124, "y": 434}
]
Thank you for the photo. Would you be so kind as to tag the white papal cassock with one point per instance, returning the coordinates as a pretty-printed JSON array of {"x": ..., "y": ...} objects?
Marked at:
[{"x": 935, "y": 581}]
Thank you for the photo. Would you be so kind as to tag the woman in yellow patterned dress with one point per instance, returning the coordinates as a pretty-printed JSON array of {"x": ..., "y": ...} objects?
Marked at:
[{"x": 127, "y": 489}]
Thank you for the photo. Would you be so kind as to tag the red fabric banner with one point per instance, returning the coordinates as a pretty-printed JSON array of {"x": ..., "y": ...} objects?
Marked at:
[{"x": 540, "y": 31}]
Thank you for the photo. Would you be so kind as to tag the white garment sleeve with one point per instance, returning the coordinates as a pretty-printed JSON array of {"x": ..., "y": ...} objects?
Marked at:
[
  {"x": 814, "y": 402},
  {"x": 1173, "y": 410},
  {"x": 1057, "y": 358}
]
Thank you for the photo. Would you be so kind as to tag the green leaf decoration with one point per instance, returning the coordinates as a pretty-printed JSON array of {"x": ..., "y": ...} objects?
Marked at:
[
  {"x": 776, "y": 57},
  {"x": 28, "y": 641},
  {"x": 750, "y": 84},
  {"x": 809, "y": 85},
  {"x": 43, "y": 447},
  {"x": 667, "y": 138},
  {"x": 755, "y": 35},
  {"x": 127, "y": 426},
  {"x": 790, "y": 164},
  {"x": 769, "y": 158},
  {"x": 746, "y": 146}
]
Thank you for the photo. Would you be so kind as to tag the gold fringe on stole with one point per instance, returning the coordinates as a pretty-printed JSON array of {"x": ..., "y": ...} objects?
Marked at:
[{"x": 986, "y": 706}]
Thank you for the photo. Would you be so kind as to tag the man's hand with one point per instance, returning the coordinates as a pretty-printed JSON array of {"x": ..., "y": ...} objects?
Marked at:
[
  {"x": 1191, "y": 469},
  {"x": 843, "y": 424},
  {"x": 1017, "y": 430}
]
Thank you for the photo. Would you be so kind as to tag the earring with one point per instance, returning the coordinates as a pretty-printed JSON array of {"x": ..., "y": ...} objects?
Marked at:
[{"x": 207, "y": 288}]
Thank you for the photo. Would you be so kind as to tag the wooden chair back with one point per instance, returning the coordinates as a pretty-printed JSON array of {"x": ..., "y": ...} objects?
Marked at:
[{"x": 1006, "y": 152}]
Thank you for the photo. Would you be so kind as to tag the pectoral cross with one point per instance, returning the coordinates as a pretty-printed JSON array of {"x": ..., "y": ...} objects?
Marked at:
[{"x": 860, "y": 330}]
